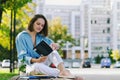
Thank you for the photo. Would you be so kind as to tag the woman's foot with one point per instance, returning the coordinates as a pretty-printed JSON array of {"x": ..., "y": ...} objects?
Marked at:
[
  {"x": 65, "y": 73},
  {"x": 78, "y": 78}
]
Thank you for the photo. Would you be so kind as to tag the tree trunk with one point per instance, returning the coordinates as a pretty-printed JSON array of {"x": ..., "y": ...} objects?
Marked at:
[
  {"x": 1, "y": 9},
  {"x": 0, "y": 16}
]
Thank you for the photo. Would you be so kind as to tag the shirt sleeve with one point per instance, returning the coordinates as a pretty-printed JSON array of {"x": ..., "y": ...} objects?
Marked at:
[
  {"x": 22, "y": 50},
  {"x": 48, "y": 40}
]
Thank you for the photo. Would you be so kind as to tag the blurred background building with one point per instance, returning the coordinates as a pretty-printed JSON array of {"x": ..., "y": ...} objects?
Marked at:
[{"x": 94, "y": 24}]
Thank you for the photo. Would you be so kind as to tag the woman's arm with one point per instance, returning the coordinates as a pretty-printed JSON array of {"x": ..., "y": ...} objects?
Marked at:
[
  {"x": 39, "y": 60},
  {"x": 22, "y": 51}
]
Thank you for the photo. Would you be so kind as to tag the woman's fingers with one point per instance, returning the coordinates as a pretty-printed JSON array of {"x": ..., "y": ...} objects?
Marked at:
[
  {"x": 42, "y": 59},
  {"x": 55, "y": 46}
]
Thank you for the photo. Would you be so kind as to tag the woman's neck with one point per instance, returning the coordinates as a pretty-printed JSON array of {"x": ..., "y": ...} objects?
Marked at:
[{"x": 32, "y": 34}]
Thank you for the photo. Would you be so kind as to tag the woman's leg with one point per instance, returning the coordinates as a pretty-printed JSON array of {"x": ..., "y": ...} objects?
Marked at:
[
  {"x": 44, "y": 69},
  {"x": 54, "y": 58},
  {"x": 57, "y": 60}
]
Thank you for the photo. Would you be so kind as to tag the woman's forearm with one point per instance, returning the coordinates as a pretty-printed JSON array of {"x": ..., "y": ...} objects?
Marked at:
[
  {"x": 40, "y": 59},
  {"x": 33, "y": 60}
]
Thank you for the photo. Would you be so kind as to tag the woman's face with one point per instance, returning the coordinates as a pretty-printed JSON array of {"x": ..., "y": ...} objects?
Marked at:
[{"x": 39, "y": 25}]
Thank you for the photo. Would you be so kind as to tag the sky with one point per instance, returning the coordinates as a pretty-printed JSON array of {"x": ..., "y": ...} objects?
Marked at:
[{"x": 63, "y": 2}]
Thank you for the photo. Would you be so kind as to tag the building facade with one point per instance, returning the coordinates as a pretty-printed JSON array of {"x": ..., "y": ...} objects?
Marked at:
[{"x": 94, "y": 24}]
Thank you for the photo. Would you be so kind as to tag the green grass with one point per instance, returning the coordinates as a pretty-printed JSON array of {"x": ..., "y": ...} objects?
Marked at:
[{"x": 6, "y": 75}]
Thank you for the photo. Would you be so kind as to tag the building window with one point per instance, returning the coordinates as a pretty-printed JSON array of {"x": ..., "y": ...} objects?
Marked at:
[
  {"x": 108, "y": 20},
  {"x": 108, "y": 30},
  {"x": 103, "y": 31},
  {"x": 118, "y": 46},
  {"x": 98, "y": 48},
  {"x": 108, "y": 39},
  {"x": 95, "y": 21},
  {"x": 118, "y": 5},
  {"x": 91, "y": 22}
]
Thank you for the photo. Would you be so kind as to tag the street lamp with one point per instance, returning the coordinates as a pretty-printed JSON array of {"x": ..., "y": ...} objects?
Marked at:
[
  {"x": 82, "y": 47},
  {"x": 68, "y": 46}
]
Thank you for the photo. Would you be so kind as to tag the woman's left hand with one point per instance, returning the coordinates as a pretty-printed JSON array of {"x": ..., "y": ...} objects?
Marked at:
[{"x": 54, "y": 46}]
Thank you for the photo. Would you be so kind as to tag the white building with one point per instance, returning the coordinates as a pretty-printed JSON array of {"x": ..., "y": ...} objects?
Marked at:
[
  {"x": 100, "y": 27},
  {"x": 116, "y": 23},
  {"x": 92, "y": 23}
]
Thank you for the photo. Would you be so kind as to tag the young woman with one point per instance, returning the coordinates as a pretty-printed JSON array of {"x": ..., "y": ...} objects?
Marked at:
[{"x": 25, "y": 42}]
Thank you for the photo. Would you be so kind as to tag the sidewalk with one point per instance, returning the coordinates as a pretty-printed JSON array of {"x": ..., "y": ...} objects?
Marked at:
[{"x": 96, "y": 73}]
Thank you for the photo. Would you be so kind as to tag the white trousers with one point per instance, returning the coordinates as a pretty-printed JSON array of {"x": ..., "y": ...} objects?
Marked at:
[{"x": 44, "y": 68}]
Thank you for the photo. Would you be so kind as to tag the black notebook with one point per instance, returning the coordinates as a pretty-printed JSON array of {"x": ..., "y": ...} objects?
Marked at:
[{"x": 43, "y": 48}]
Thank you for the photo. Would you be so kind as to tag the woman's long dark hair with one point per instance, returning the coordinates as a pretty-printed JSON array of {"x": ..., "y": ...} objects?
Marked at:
[{"x": 44, "y": 30}]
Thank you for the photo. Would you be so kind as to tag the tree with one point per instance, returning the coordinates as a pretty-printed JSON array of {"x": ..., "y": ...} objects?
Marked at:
[
  {"x": 110, "y": 53},
  {"x": 115, "y": 55},
  {"x": 58, "y": 33},
  {"x": 98, "y": 58},
  {"x": 11, "y": 5},
  {"x": 4, "y": 43},
  {"x": 22, "y": 19},
  {"x": 2, "y": 2}
]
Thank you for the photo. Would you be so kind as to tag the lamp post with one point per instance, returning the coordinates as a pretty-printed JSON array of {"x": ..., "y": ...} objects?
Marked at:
[
  {"x": 67, "y": 46},
  {"x": 82, "y": 47}
]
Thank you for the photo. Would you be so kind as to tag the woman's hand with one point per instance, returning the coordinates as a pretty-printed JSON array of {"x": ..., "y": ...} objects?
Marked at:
[
  {"x": 42, "y": 59},
  {"x": 54, "y": 46},
  {"x": 39, "y": 60}
]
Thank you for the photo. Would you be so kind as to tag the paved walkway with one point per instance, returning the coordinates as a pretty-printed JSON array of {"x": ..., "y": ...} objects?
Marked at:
[
  {"x": 97, "y": 73},
  {"x": 92, "y": 71}
]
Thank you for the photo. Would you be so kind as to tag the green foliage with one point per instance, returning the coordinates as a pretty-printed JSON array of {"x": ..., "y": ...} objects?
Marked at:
[
  {"x": 11, "y": 5},
  {"x": 6, "y": 75},
  {"x": 4, "y": 43},
  {"x": 22, "y": 66},
  {"x": 22, "y": 18},
  {"x": 115, "y": 55},
  {"x": 14, "y": 4},
  {"x": 4, "y": 39},
  {"x": 58, "y": 33},
  {"x": 98, "y": 58},
  {"x": 110, "y": 53},
  {"x": 4, "y": 53}
]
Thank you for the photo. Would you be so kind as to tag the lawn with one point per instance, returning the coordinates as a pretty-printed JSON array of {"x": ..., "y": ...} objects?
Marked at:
[{"x": 6, "y": 75}]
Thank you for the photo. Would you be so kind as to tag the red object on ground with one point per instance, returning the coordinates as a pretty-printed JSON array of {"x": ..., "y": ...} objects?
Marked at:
[{"x": 52, "y": 65}]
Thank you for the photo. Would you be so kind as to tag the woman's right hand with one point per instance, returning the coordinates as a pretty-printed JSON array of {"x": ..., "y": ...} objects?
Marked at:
[{"x": 41, "y": 58}]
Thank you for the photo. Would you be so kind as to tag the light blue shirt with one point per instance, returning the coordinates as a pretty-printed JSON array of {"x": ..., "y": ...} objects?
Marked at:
[{"x": 25, "y": 46}]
